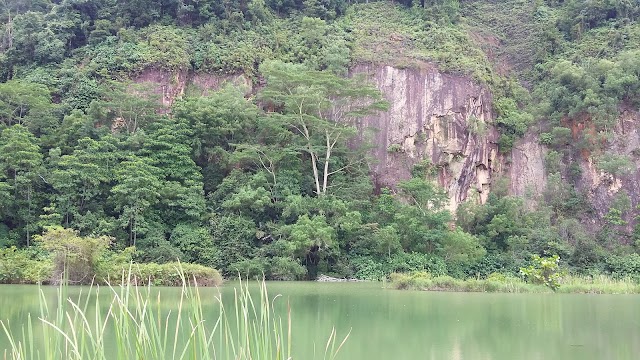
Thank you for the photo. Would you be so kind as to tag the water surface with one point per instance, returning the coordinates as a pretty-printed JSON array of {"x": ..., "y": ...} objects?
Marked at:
[{"x": 393, "y": 324}]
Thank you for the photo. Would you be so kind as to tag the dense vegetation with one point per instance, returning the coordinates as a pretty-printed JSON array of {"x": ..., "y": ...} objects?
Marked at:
[{"x": 265, "y": 181}]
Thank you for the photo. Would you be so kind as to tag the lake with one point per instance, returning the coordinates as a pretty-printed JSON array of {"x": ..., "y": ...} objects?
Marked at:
[{"x": 394, "y": 324}]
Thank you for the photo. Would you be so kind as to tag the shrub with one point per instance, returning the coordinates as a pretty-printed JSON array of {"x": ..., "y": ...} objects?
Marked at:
[
  {"x": 277, "y": 268},
  {"x": 74, "y": 256},
  {"x": 170, "y": 274},
  {"x": 616, "y": 165},
  {"x": 543, "y": 271},
  {"x": 414, "y": 280},
  {"x": 373, "y": 268},
  {"x": 18, "y": 267},
  {"x": 368, "y": 268},
  {"x": 624, "y": 266},
  {"x": 406, "y": 262}
]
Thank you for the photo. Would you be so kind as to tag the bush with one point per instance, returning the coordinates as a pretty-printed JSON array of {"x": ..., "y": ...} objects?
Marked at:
[
  {"x": 405, "y": 262},
  {"x": 75, "y": 257},
  {"x": 543, "y": 271},
  {"x": 372, "y": 268},
  {"x": 170, "y": 274},
  {"x": 367, "y": 268},
  {"x": 277, "y": 268},
  {"x": 497, "y": 283},
  {"x": 414, "y": 280},
  {"x": 18, "y": 267},
  {"x": 624, "y": 266},
  {"x": 493, "y": 263}
]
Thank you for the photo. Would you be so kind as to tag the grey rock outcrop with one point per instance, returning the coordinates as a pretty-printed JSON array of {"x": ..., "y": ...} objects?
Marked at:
[{"x": 444, "y": 118}]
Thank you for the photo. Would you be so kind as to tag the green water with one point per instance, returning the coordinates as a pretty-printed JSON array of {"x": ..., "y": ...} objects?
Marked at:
[{"x": 392, "y": 324}]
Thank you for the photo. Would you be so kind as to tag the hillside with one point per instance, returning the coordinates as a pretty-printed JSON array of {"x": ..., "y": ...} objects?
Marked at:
[{"x": 349, "y": 138}]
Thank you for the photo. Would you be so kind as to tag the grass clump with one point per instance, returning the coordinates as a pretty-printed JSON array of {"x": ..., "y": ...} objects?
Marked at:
[
  {"x": 493, "y": 283},
  {"x": 497, "y": 282},
  {"x": 598, "y": 284},
  {"x": 248, "y": 328}
]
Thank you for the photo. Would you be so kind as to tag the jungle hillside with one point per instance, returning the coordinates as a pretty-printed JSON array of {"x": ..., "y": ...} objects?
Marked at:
[{"x": 259, "y": 163}]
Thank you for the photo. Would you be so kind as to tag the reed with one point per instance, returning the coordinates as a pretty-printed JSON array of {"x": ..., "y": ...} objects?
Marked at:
[
  {"x": 248, "y": 328},
  {"x": 598, "y": 284}
]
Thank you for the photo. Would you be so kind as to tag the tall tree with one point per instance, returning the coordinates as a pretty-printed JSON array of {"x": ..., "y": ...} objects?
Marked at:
[
  {"x": 137, "y": 189},
  {"x": 127, "y": 106},
  {"x": 21, "y": 162},
  {"x": 81, "y": 180},
  {"x": 320, "y": 108},
  {"x": 219, "y": 121},
  {"x": 167, "y": 147},
  {"x": 28, "y": 104}
]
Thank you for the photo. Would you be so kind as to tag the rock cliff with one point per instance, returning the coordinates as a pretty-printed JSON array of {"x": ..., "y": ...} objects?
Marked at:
[{"x": 444, "y": 118}]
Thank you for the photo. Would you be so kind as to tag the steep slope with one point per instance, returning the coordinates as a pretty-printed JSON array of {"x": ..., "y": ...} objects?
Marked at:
[{"x": 445, "y": 119}]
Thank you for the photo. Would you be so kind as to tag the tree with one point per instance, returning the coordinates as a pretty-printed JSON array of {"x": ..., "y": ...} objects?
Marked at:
[
  {"x": 219, "y": 121},
  {"x": 196, "y": 243},
  {"x": 137, "y": 189},
  {"x": 75, "y": 257},
  {"x": 27, "y": 104},
  {"x": 21, "y": 161},
  {"x": 320, "y": 108},
  {"x": 181, "y": 195},
  {"x": 544, "y": 271},
  {"x": 126, "y": 105},
  {"x": 81, "y": 180},
  {"x": 307, "y": 237},
  {"x": 462, "y": 249}
]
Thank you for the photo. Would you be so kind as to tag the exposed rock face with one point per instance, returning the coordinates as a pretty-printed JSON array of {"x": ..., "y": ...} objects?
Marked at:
[
  {"x": 601, "y": 187},
  {"x": 447, "y": 119},
  {"x": 527, "y": 175},
  {"x": 444, "y": 118},
  {"x": 440, "y": 117},
  {"x": 170, "y": 85}
]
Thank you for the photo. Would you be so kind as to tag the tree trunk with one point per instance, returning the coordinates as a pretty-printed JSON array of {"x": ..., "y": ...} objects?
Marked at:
[{"x": 327, "y": 156}]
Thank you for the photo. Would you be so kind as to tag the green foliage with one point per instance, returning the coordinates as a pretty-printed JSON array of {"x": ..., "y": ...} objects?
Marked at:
[
  {"x": 320, "y": 110},
  {"x": 136, "y": 190},
  {"x": 27, "y": 104},
  {"x": 20, "y": 165},
  {"x": 460, "y": 249},
  {"x": 624, "y": 266},
  {"x": 512, "y": 120},
  {"x": 308, "y": 232},
  {"x": 390, "y": 34},
  {"x": 371, "y": 268},
  {"x": 493, "y": 283},
  {"x": 234, "y": 237},
  {"x": 276, "y": 268},
  {"x": 269, "y": 181},
  {"x": 544, "y": 271},
  {"x": 195, "y": 243},
  {"x": 17, "y": 266},
  {"x": 75, "y": 258},
  {"x": 616, "y": 165},
  {"x": 168, "y": 274},
  {"x": 498, "y": 282}
]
